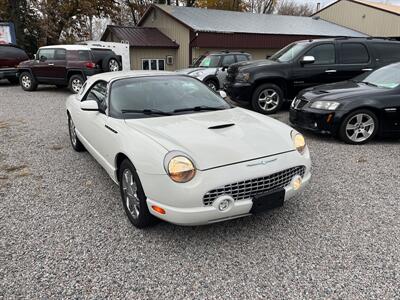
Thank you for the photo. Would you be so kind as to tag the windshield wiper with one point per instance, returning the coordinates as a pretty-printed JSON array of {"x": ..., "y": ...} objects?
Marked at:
[
  {"x": 146, "y": 112},
  {"x": 198, "y": 108},
  {"x": 368, "y": 83}
]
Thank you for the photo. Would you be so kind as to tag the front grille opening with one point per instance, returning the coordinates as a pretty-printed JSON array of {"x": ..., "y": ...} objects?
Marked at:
[{"x": 249, "y": 188}]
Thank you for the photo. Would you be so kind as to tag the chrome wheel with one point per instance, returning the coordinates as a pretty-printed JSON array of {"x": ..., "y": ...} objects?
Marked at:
[
  {"x": 212, "y": 85},
  {"x": 26, "y": 81},
  {"x": 113, "y": 65},
  {"x": 360, "y": 127},
  {"x": 76, "y": 85},
  {"x": 129, "y": 189},
  {"x": 268, "y": 99},
  {"x": 72, "y": 132}
]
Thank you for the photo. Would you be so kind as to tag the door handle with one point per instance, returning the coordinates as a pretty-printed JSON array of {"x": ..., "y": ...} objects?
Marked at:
[
  {"x": 366, "y": 70},
  {"x": 51, "y": 64},
  {"x": 330, "y": 71}
]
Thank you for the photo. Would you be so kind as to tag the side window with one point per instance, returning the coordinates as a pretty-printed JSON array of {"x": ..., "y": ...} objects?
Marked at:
[
  {"x": 324, "y": 54},
  {"x": 387, "y": 52},
  {"x": 353, "y": 53},
  {"x": 98, "y": 92},
  {"x": 60, "y": 54},
  {"x": 228, "y": 60},
  {"x": 46, "y": 54},
  {"x": 242, "y": 57}
]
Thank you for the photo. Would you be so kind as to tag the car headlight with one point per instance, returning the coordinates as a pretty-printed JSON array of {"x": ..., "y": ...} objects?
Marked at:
[
  {"x": 196, "y": 73},
  {"x": 243, "y": 77},
  {"x": 179, "y": 167},
  {"x": 299, "y": 141},
  {"x": 325, "y": 105}
]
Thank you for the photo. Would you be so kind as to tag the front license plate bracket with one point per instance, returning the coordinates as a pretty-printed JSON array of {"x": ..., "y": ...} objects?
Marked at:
[{"x": 268, "y": 201}]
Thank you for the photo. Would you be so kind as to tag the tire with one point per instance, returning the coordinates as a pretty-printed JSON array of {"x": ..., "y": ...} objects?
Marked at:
[
  {"x": 75, "y": 83},
  {"x": 212, "y": 84},
  {"x": 133, "y": 197},
  {"x": 267, "y": 99},
  {"x": 27, "y": 81},
  {"x": 13, "y": 80},
  {"x": 75, "y": 142},
  {"x": 359, "y": 127},
  {"x": 111, "y": 64}
]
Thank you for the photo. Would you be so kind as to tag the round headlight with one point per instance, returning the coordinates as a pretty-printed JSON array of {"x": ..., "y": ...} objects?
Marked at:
[
  {"x": 299, "y": 142},
  {"x": 181, "y": 169}
]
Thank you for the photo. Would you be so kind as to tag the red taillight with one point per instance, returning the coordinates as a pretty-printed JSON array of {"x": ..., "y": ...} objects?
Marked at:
[{"x": 90, "y": 65}]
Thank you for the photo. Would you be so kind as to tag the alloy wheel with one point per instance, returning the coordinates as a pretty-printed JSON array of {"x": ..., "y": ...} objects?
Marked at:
[
  {"x": 113, "y": 65},
  {"x": 268, "y": 99},
  {"x": 360, "y": 127},
  {"x": 131, "y": 198},
  {"x": 72, "y": 132},
  {"x": 26, "y": 81},
  {"x": 76, "y": 85},
  {"x": 212, "y": 85}
]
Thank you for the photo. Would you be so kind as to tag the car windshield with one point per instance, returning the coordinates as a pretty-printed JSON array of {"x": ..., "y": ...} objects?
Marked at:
[
  {"x": 385, "y": 77},
  {"x": 289, "y": 52},
  {"x": 160, "y": 96},
  {"x": 209, "y": 61}
]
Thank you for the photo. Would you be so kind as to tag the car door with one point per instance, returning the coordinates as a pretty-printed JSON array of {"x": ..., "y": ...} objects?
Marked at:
[
  {"x": 226, "y": 61},
  {"x": 354, "y": 59},
  {"x": 391, "y": 113},
  {"x": 322, "y": 70},
  {"x": 41, "y": 67},
  {"x": 57, "y": 66}
]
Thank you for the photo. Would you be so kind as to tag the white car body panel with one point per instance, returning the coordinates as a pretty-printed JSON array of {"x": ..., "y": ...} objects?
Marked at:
[{"x": 255, "y": 146}]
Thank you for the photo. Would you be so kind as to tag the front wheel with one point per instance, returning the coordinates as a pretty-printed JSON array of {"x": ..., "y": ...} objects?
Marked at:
[
  {"x": 212, "y": 84},
  {"x": 359, "y": 127},
  {"x": 75, "y": 142},
  {"x": 267, "y": 99},
  {"x": 133, "y": 197}
]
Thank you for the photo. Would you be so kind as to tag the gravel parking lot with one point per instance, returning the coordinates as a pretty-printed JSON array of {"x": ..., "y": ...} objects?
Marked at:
[{"x": 64, "y": 233}]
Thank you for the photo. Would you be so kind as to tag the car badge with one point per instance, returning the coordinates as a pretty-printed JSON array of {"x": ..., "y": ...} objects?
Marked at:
[{"x": 262, "y": 163}]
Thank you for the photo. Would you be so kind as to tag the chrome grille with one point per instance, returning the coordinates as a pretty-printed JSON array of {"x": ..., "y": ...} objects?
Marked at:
[{"x": 252, "y": 187}]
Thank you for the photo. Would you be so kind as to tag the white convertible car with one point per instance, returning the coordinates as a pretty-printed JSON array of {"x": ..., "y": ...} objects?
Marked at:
[{"x": 180, "y": 152}]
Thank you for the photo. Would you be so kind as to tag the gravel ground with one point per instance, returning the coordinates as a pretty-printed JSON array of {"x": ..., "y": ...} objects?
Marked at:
[{"x": 64, "y": 233}]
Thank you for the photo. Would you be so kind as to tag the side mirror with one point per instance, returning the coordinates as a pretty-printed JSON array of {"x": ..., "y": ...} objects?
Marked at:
[
  {"x": 43, "y": 58},
  {"x": 308, "y": 59},
  {"x": 223, "y": 94},
  {"x": 89, "y": 105}
]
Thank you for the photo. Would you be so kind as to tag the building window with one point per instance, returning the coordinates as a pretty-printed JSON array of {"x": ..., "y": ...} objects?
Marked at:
[{"x": 153, "y": 64}]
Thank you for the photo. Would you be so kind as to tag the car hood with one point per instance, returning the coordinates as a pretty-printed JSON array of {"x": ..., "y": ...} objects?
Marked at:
[
  {"x": 254, "y": 64},
  {"x": 251, "y": 136},
  {"x": 339, "y": 91}
]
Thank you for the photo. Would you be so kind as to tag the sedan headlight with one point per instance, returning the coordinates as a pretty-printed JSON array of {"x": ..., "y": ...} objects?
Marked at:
[
  {"x": 298, "y": 141},
  {"x": 179, "y": 167},
  {"x": 243, "y": 77},
  {"x": 325, "y": 105}
]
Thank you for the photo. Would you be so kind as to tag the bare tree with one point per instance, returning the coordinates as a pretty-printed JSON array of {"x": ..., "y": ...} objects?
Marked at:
[
  {"x": 262, "y": 6},
  {"x": 291, "y": 8}
]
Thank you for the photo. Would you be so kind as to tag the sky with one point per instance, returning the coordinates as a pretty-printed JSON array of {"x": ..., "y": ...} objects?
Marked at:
[{"x": 326, "y": 2}]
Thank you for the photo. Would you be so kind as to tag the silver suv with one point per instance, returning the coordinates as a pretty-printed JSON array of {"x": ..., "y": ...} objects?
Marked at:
[{"x": 211, "y": 67}]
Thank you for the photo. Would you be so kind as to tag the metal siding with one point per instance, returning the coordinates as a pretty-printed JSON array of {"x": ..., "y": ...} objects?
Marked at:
[
  {"x": 375, "y": 23},
  {"x": 174, "y": 30}
]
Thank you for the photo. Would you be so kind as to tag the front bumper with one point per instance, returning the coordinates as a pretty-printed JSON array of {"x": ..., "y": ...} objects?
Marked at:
[
  {"x": 240, "y": 92},
  {"x": 321, "y": 121},
  {"x": 183, "y": 203},
  {"x": 8, "y": 73}
]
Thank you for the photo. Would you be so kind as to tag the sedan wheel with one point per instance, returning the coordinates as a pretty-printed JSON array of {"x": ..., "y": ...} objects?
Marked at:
[
  {"x": 129, "y": 189},
  {"x": 359, "y": 127},
  {"x": 75, "y": 142},
  {"x": 113, "y": 65}
]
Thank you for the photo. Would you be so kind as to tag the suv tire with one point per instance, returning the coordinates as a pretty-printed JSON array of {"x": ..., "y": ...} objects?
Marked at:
[
  {"x": 133, "y": 197},
  {"x": 27, "y": 81},
  {"x": 267, "y": 99},
  {"x": 359, "y": 127},
  {"x": 75, "y": 83},
  {"x": 111, "y": 64}
]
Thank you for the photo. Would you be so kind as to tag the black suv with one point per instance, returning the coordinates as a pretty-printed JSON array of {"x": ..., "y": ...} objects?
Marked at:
[
  {"x": 10, "y": 57},
  {"x": 267, "y": 83}
]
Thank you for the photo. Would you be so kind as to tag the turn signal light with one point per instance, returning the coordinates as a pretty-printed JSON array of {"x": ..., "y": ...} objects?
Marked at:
[
  {"x": 329, "y": 118},
  {"x": 158, "y": 209}
]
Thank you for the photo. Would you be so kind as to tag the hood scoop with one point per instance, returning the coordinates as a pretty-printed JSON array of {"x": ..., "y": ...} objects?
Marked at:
[{"x": 221, "y": 126}]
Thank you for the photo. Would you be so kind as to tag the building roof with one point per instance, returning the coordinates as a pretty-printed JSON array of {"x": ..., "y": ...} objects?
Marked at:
[
  {"x": 221, "y": 21},
  {"x": 390, "y": 8},
  {"x": 140, "y": 36}
]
